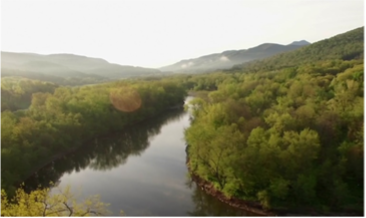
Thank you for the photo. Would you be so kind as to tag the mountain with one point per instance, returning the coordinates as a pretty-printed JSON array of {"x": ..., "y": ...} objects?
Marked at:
[
  {"x": 301, "y": 43},
  {"x": 228, "y": 59},
  {"x": 58, "y": 67},
  {"x": 345, "y": 46}
]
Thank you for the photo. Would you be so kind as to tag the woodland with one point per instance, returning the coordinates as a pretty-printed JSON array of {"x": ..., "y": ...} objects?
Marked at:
[{"x": 285, "y": 131}]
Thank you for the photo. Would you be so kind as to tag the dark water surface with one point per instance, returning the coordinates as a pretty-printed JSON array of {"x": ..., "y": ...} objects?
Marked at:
[{"x": 141, "y": 171}]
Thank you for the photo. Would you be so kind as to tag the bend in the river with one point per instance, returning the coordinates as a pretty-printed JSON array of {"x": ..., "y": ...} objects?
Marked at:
[{"x": 141, "y": 170}]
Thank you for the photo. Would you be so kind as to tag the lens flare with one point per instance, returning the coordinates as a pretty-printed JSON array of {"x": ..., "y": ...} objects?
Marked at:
[{"x": 125, "y": 99}]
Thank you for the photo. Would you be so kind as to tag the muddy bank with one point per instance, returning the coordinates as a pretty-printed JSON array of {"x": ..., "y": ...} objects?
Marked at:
[
  {"x": 256, "y": 208},
  {"x": 252, "y": 207}
]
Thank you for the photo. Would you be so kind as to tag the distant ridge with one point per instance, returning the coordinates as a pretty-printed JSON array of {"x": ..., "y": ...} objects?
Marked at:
[
  {"x": 228, "y": 59},
  {"x": 55, "y": 67},
  {"x": 344, "y": 46},
  {"x": 301, "y": 42}
]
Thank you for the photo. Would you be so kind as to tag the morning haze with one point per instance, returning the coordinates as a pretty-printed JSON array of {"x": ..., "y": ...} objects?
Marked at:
[
  {"x": 182, "y": 108},
  {"x": 154, "y": 34}
]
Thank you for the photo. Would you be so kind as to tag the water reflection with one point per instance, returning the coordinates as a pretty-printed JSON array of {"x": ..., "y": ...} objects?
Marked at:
[
  {"x": 105, "y": 153},
  {"x": 152, "y": 180}
]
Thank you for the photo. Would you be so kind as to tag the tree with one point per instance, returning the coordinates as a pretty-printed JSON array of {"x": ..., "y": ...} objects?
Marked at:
[
  {"x": 299, "y": 118},
  {"x": 41, "y": 203}
]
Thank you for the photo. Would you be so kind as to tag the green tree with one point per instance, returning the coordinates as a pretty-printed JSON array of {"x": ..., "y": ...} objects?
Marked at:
[{"x": 41, "y": 202}]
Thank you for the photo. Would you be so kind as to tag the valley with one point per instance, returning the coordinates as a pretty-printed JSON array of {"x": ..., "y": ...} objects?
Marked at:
[{"x": 279, "y": 127}]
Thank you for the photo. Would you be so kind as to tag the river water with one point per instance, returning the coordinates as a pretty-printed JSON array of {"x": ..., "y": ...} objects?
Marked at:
[{"x": 141, "y": 171}]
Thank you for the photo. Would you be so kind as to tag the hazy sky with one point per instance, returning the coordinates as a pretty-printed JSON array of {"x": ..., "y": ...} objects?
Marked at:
[{"x": 157, "y": 33}]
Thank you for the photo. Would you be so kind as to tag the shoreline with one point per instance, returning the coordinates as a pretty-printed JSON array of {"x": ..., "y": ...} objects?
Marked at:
[
  {"x": 255, "y": 207},
  {"x": 252, "y": 207},
  {"x": 72, "y": 150}
]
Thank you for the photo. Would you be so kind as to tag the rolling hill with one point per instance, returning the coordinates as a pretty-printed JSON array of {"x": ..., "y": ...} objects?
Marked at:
[
  {"x": 344, "y": 46},
  {"x": 228, "y": 59},
  {"x": 61, "y": 68}
]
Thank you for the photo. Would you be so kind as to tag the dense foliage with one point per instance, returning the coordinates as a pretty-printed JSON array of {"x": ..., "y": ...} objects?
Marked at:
[
  {"x": 60, "y": 122},
  {"x": 41, "y": 202},
  {"x": 105, "y": 152},
  {"x": 291, "y": 137},
  {"x": 286, "y": 131},
  {"x": 16, "y": 92}
]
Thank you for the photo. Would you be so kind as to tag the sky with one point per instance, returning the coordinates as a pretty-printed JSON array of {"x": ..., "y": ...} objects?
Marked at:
[{"x": 155, "y": 33}]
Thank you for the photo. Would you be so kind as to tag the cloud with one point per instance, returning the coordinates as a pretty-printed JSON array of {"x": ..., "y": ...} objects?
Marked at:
[
  {"x": 224, "y": 58},
  {"x": 187, "y": 65}
]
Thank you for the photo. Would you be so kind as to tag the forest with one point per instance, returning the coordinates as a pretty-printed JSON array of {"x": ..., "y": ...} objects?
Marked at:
[
  {"x": 60, "y": 122},
  {"x": 285, "y": 131},
  {"x": 16, "y": 92},
  {"x": 287, "y": 137}
]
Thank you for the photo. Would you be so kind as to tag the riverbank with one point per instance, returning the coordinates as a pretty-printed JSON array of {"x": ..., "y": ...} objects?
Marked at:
[
  {"x": 252, "y": 207},
  {"x": 62, "y": 154},
  {"x": 255, "y": 207},
  {"x": 209, "y": 188}
]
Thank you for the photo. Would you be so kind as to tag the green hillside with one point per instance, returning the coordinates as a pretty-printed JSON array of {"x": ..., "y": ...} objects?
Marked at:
[
  {"x": 346, "y": 46},
  {"x": 286, "y": 131}
]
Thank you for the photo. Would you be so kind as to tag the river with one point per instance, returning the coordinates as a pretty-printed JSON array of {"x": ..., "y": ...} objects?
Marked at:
[{"x": 141, "y": 171}]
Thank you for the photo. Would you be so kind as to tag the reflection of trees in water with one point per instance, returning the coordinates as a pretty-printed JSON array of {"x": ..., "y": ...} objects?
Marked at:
[
  {"x": 207, "y": 205},
  {"x": 105, "y": 153}
]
